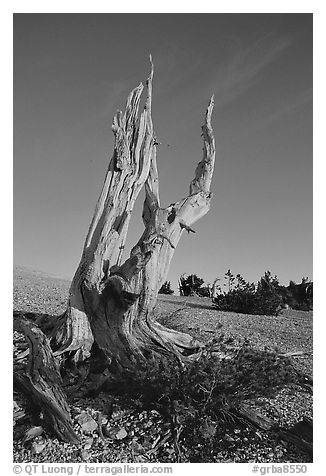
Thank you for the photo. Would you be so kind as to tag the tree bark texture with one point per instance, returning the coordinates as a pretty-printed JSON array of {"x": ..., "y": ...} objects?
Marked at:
[
  {"x": 111, "y": 303},
  {"x": 41, "y": 381}
]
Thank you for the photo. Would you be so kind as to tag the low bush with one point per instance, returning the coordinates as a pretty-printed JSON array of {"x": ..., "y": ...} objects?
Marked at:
[
  {"x": 300, "y": 296},
  {"x": 197, "y": 397},
  {"x": 248, "y": 298}
]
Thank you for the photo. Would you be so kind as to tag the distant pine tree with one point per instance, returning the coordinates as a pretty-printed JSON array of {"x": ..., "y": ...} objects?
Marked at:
[
  {"x": 189, "y": 286},
  {"x": 166, "y": 288}
]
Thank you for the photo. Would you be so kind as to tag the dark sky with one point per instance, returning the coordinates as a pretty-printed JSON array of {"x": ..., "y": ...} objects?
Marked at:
[{"x": 71, "y": 73}]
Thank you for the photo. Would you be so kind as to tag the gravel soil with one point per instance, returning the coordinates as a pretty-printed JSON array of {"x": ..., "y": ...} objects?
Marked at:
[{"x": 116, "y": 432}]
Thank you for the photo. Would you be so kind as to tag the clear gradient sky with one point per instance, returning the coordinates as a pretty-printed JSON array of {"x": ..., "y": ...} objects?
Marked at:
[{"x": 71, "y": 73}]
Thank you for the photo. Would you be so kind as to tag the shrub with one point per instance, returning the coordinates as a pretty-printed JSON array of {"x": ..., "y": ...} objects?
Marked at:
[
  {"x": 190, "y": 285},
  {"x": 300, "y": 296},
  {"x": 199, "y": 396},
  {"x": 204, "y": 291},
  {"x": 247, "y": 298},
  {"x": 267, "y": 299},
  {"x": 166, "y": 288}
]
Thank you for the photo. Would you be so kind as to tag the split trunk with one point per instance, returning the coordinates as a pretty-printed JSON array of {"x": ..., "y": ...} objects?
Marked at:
[{"x": 111, "y": 303}]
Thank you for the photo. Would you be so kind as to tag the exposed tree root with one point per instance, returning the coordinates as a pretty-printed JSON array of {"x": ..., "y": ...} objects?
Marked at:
[{"x": 42, "y": 382}]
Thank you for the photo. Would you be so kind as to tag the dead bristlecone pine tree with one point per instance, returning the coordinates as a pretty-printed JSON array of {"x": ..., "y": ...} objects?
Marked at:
[{"x": 109, "y": 318}]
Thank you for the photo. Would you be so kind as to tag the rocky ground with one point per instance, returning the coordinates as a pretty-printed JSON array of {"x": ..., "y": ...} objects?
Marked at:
[{"x": 112, "y": 429}]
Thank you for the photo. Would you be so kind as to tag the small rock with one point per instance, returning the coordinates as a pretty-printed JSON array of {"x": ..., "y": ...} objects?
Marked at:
[
  {"x": 88, "y": 443},
  {"x": 114, "y": 432},
  {"x": 121, "y": 434},
  {"x": 38, "y": 447},
  {"x": 228, "y": 438},
  {"x": 85, "y": 455},
  {"x": 87, "y": 423}
]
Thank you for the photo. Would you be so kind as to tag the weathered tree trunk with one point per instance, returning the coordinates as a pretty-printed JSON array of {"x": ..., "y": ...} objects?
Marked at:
[
  {"x": 41, "y": 381},
  {"x": 111, "y": 303},
  {"x": 109, "y": 317}
]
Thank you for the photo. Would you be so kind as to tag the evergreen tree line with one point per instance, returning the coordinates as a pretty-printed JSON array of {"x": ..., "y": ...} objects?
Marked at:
[{"x": 234, "y": 293}]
